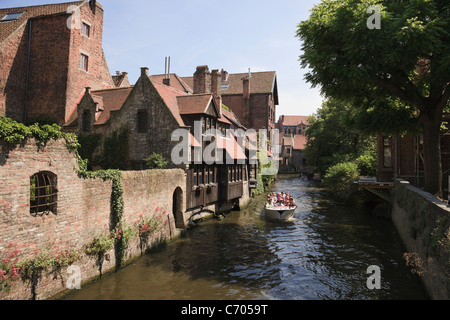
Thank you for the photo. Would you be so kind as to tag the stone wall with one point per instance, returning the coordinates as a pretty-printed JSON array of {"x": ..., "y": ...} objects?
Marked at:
[
  {"x": 83, "y": 211},
  {"x": 422, "y": 222}
]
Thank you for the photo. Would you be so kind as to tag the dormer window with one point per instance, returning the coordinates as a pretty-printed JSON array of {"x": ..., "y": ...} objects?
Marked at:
[{"x": 12, "y": 16}]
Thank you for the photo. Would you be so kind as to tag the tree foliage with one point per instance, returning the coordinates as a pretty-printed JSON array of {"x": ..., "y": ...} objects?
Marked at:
[
  {"x": 333, "y": 139},
  {"x": 398, "y": 76},
  {"x": 156, "y": 161}
]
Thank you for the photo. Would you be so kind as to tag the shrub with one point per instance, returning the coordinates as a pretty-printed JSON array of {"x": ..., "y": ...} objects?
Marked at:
[
  {"x": 367, "y": 164},
  {"x": 9, "y": 270},
  {"x": 340, "y": 177},
  {"x": 156, "y": 161}
]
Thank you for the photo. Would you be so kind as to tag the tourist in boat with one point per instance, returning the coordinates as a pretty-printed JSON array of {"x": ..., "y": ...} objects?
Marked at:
[{"x": 291, "y": 202}]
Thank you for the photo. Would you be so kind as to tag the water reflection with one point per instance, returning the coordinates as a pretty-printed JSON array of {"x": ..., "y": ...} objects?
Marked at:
[{"x": 323, "y": 254}]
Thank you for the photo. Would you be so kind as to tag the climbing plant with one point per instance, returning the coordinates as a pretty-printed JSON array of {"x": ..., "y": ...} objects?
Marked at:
[
  {"x": 116, "y": 204},
  {"x": 115, "y": 150}
]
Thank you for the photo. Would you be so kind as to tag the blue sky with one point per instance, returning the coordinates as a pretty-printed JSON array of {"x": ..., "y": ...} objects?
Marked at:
[{"x": 231, "y": 34}]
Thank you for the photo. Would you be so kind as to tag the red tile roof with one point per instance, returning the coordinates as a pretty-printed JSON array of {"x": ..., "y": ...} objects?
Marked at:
[
  {"x": 110, "y": 100},
  {"x": 8, "y": 27},
  {"x": 170, "y": 96},
  {"x": 175, "y": 81},
  {"x": 293, "y": 120},
  {"x": 260, "y": 82},
  {"x": 231, "y": 117},
  {"x": 107, "y": 100},
  {"x": 193, "y": 104}
]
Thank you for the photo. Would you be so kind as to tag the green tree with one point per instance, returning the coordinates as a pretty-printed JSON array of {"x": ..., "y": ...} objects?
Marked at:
[
  {"x": 333, "y": 138},
  {"x": 402, "y": 67},
  {"x": 156, "y": 161}
]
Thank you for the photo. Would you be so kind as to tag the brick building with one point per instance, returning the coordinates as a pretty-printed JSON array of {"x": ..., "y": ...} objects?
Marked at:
[
  {"x": 57, "y": 46},
  {"x": 293, "y": 142},
  {"x": 252, "y": 96},
  {"x": 53, "y": 66},
  {"x": 148, "y": 113}
]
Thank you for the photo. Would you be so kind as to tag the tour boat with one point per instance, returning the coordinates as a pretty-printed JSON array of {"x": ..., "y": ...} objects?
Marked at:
[{"x": 280, "y": 213}]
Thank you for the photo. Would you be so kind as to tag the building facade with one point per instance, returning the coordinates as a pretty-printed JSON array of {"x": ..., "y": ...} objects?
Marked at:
[
  {"x": 57, "y": 46},
  {"x": 293, "y": 142}
]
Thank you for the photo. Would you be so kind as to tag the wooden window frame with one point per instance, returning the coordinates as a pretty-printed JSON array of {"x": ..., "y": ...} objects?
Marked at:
[
  {"x": 84, "y": 62},
  {"x": 86, "y": 29}
]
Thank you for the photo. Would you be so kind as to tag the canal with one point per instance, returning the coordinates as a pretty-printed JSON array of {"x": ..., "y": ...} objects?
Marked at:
[{"x": 324, "y": 254}]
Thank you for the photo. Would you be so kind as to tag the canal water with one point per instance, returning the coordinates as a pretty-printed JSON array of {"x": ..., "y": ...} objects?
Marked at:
[{"x": 324, "y": 254}]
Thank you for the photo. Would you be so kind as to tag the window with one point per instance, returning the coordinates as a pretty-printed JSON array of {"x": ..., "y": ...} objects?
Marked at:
[
  {"x": 86, "y": 120},
  {"x": 43, "y": 193},
  {"x": 86, "y": 29},
  {"x": 142, "y": 121},
  {"x": 387, "y": 152},
  {"x": 12, "y": 16},
  {"x": 84, "y": 62}
]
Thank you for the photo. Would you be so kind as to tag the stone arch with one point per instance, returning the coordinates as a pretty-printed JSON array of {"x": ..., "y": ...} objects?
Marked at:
[{"x": 177, "y": 208}]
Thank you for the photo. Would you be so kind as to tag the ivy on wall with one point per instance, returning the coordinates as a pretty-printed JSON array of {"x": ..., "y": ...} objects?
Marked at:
[
  {"x": 13, "y": 133},
  {"x": 115, "y": 150},
  {"x": 113, "y": 153}
]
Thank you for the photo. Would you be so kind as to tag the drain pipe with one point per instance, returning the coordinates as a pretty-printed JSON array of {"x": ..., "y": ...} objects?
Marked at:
[{"x": 25, "y": 108}]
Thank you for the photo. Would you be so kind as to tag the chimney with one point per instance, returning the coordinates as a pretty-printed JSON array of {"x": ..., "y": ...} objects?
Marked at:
[
  {"x": 202, "y": 80},
  {"x": 224, "y": 75},
  {"x": 166, "y": 79},
  {"x": 144, "y": 72},
  {"x": 246, "y": 99},
  {"x": 93, "y": 5},
  {"x": 216, "y": 78}
]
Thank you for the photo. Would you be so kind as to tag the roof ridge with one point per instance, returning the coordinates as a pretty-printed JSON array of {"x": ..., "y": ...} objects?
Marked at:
[
  {"x": 111, "y": 89},
  {"x": 44, "y": 5},
  {"x": 168, "y": 87}
]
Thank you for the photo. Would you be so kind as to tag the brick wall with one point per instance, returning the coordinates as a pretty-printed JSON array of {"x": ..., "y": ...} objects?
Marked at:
[
  {"x": 12, "y": 73},
  {"x": 48, "y": 72},
  {"x": 98, "y": 75},
  {"x": 55, "y": 80},
  {"x": 83, "y": 209},
  {"x": 153, "y": 192},
  {"x": 258, "y": 114},
  {"x": 143, "y": 97}
]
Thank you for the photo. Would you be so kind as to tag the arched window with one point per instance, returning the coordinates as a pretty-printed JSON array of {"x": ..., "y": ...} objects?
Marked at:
[{"x": 43, "y": 193}]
